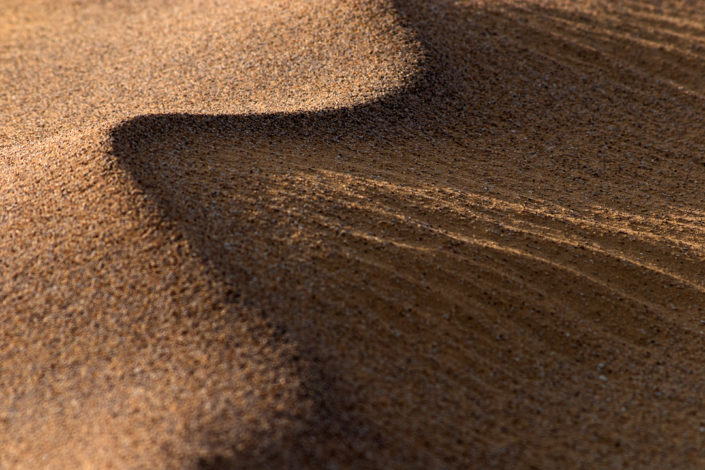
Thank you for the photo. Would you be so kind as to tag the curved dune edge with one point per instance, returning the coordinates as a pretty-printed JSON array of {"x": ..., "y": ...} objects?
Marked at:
[
  {"x": 138, "y": 355},
  {"x": 500, "y": 264}
]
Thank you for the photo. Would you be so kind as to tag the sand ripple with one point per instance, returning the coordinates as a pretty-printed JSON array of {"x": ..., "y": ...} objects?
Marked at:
[{"x": 367, "y": 234}]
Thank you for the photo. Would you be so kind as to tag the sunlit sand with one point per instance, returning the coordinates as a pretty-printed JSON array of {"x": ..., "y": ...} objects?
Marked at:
[{"x": 352, "y": 234}]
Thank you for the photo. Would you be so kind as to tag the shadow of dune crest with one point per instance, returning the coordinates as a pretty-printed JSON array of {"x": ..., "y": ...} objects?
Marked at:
[
  {"x": 450, "y": 302},
  {"x": 171, "y": 156}
]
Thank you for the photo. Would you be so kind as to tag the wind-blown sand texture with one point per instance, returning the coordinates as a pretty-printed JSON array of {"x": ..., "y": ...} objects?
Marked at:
[{"x": 352, "y": 234}]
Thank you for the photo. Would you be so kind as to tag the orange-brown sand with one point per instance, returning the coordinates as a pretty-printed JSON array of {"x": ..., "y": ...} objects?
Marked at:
[{"x": 352, "y": 234}]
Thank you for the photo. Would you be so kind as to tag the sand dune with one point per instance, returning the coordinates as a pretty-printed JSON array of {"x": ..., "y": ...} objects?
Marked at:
[{"x": 352, "y": 234}]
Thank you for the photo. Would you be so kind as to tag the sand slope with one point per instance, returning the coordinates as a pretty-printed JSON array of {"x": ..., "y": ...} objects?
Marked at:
[{"x": 366, "y": 234}]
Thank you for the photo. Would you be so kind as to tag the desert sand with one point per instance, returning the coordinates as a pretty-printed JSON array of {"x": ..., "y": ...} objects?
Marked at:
[{"x": 352, "y": 234}]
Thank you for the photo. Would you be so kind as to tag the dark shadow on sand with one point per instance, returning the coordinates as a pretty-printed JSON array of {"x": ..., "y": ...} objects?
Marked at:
[
  {"x": 433, "y": 108},
  {"x": 427, "y": 105}
]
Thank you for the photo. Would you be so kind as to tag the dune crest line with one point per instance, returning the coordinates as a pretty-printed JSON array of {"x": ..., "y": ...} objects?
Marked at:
[{"x": 455, "y": 234}]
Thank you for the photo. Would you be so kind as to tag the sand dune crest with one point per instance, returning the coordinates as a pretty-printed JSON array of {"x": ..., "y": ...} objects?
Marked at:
[{"x": 296, "y": 234}]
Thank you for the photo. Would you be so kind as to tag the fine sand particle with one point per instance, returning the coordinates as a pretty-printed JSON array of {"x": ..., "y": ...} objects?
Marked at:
[{"x": 352, "y": 234}]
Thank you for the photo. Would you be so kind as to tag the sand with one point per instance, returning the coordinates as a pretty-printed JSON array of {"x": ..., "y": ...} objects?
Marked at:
[{"x": 352, "y": 234}]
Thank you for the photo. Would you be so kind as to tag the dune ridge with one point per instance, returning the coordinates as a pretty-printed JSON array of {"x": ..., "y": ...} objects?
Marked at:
[{"x": 478, "y": 245}]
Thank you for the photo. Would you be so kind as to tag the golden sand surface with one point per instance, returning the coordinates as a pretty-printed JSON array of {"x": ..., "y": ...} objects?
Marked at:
[{"x": 352, "y": 234}]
